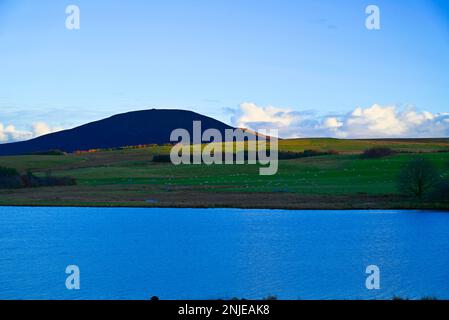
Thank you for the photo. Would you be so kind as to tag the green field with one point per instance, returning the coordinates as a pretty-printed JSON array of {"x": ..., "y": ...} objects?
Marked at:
[{"x": 128, "y": 177}]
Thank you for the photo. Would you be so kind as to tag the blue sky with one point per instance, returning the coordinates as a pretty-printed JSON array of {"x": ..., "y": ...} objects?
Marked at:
[{"x": 302, "y": 58}]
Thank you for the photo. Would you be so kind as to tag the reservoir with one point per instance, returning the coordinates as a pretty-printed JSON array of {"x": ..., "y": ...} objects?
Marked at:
[{"x": 137, "y": 253}]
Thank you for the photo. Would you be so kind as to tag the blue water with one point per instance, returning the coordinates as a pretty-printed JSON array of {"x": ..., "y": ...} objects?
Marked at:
[{"x": 221, "y": 253}]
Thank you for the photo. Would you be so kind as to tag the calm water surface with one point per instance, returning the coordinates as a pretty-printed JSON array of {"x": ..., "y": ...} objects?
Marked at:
[{"x": 221, "y": 253}]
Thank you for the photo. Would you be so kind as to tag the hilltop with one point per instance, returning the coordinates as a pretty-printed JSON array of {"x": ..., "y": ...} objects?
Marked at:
[{"x": 135, "y": 128}]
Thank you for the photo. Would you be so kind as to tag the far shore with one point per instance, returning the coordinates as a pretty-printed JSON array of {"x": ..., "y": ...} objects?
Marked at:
[
  {"x": 132, "y": 198},
  {"x": 313, "y": 174},
  {"x": 442, "y": 210}
]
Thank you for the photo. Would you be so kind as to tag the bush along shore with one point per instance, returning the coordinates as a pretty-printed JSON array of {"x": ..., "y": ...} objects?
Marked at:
[{"x": 12, "y": 179}]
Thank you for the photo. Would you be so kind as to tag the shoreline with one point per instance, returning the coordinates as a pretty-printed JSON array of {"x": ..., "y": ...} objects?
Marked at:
[
  {"x": 144, "y": 196},
  {"x": 302, "y": 208}
]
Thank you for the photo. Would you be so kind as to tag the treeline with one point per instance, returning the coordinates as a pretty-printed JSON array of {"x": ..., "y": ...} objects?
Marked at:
[
  {"x": 139, "y": 146},
  {"x": 48, "y": 153},
  {"x": 288, "y": 155},
  {"x": 12, "y": 179},
  {"x": 282, "y": 155},
  {"x": 381, "y": 152},
  {"x": 377, "y": 152}
]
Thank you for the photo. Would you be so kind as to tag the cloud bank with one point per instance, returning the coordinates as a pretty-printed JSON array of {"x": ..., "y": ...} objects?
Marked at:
[
  {"x": 372, "y": 122},
  {"x": 9, "y": 133}
]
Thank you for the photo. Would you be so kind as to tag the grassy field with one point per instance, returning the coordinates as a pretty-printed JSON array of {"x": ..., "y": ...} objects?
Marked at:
[{"x": 129, "y": 178}]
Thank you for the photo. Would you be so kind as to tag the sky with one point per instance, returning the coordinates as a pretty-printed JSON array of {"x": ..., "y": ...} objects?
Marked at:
[{"x": 307, "y": 68}]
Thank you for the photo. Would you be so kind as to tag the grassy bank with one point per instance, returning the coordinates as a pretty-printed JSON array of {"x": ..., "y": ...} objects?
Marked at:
[{"x": 128, "y": 177}]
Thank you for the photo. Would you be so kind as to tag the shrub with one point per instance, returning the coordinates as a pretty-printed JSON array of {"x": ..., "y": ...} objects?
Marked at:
[
  {"x": 288, "y": 155},
  {"x": 29, "y": 180},
  {"x": 163, "y": 158},
  {"x": 441, "y": 192},
  {"x": 9, "y": 178},
  {"x": 313, "y": 153},
  {"x": 418, "y": 177},
  {"x": 378, "y": 152},
  {"x": 56, "y": 181},
  {"x": 282, "y": 155},
  {"x": 49, "y": 180},
  {"x": 8, "y": 172},
  {"x": 333, "y": 152},
  {"x": 49, "y": 153}
]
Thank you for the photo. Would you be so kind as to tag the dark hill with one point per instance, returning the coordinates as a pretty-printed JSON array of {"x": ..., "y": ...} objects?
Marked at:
[{"x": 127, "y": 129}]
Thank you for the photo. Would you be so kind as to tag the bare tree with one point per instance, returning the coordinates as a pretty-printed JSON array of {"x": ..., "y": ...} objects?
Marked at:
[{"x": 418, "y": 177}]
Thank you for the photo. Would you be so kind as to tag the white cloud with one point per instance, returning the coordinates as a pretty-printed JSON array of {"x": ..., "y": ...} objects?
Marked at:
[
  {"x": 373, "y": 122},
  {"x": 376, "y": 121},
  {"x": 391, "y": 122},
  {"x": 255, "y": 117},
  {"x": 251, "y": 113},
  {"x": 9, "y": 133},
  {"x": 332, "y": 123},
  {"x": 41, "y": 128}
]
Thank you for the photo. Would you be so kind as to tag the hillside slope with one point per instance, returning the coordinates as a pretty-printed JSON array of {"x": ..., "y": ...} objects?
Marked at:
[{"x": 127, "y": 129}]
